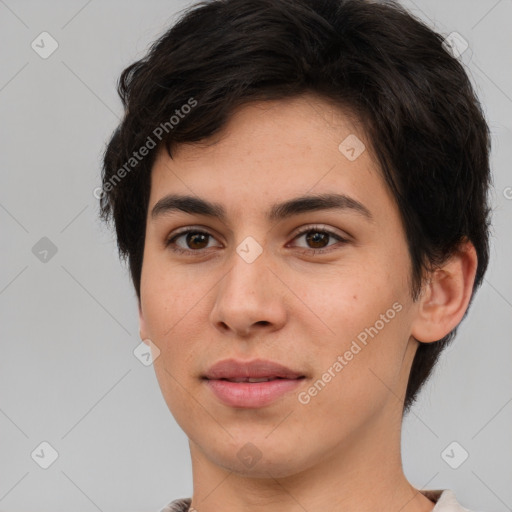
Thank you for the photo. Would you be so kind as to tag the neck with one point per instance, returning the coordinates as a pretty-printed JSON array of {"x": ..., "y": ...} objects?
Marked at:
[{"x": 362, "y": 474}]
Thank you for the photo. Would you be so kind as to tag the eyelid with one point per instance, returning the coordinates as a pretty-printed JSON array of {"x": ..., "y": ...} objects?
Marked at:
[
  {"x": 322, "y": 228},
  {"x": 187, "y": 229}
]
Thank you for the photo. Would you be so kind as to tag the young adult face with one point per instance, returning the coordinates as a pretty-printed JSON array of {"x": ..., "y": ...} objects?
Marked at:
[{"x": 219, "y": 298}]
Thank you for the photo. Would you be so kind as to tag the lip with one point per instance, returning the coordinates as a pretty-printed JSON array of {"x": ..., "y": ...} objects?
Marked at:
[
  {"x": 251, "y": 394},
  {"x": 257, "y": 368}
]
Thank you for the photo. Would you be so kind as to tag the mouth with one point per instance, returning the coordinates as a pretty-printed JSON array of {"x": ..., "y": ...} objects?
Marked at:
[
  {"x": 252, "y": 392},
  {"x": 251, "y": 384},
  {"x": 257, "y": 379},
  {"x": 250, "y": 371}
]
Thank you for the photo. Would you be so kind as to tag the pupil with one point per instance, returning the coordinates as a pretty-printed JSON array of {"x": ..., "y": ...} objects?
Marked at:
[
  {"x": 193, "y": 238},
  {"x": 316, "y": 239}
]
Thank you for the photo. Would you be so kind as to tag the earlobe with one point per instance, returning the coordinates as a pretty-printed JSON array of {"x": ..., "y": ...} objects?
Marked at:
[
  {"x": 142, "y": 326},
  {"x": 446, "y": 295}
]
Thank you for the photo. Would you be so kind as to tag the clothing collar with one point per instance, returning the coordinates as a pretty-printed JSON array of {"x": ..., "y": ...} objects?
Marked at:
[{"x": 444, "y": 500}]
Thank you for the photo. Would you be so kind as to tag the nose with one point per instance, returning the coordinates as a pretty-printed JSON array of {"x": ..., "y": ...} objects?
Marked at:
[{"x": 250, "y": 298}]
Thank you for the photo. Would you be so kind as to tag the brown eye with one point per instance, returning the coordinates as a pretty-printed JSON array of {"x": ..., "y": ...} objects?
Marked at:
[
  {"x": 196, "y": 240},
  {"x": 192, "y": 241},
  {"x": 318, "y": 239}
]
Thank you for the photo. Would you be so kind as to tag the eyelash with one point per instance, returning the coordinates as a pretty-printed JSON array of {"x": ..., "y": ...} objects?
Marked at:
[{"x": 170, "y": 243}]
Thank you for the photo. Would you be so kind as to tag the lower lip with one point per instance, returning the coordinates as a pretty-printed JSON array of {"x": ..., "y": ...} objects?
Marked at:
[{"x": 252, "y": 394}]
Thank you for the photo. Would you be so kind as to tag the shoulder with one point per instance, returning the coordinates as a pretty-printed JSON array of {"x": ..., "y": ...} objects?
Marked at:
[{"x": 179, "y": 505}]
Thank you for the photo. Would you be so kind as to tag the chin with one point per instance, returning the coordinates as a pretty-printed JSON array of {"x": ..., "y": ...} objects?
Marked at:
[
  {"x": 259, "y": 459},
  {"x": 264, "y": 468}
]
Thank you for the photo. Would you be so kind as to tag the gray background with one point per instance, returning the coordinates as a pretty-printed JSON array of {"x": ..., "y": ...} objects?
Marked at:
[{"x": 69, "y": 324}]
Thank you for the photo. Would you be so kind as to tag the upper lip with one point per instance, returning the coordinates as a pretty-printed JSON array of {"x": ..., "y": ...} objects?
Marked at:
[{"x": 257, "y": 368}]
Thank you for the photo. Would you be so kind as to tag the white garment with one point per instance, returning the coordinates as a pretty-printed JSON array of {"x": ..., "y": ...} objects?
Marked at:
[{"x": 445, "y": 500}]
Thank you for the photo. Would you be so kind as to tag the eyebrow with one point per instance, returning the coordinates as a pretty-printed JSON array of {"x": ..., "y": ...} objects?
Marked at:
[{"x": 303, "y": 204}]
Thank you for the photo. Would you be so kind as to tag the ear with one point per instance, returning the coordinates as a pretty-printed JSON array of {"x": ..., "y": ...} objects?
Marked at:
[
  {"x": 446, "y": 295},
  {"x": 142, "y": 327}
]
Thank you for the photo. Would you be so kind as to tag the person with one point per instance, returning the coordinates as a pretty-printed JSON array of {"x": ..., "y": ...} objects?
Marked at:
[{"x": 300, "y": 190}]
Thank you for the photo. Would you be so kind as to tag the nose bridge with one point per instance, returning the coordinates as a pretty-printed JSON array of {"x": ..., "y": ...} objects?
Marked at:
[
  {"x": 249, "y": 292},
  {"x": 247, "y": 278}
]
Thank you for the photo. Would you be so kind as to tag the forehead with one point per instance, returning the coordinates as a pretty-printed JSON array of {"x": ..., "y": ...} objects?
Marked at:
[
  {"x": 273, "y": 127},
  {"x": 275, "y": 150}
]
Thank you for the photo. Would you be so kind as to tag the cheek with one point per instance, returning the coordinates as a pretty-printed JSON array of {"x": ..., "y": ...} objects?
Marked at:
[
  {"x": 171, "y": 322},
  {"x": 363, "y": 320},
  {"x": 347, "y": 300},
  {"x": 358, "y": 373},
  {"x": 170, "y": 294}
]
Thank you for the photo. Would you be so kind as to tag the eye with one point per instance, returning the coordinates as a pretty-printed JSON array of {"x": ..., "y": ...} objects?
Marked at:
[
  {"x": 319, "y": 238},
  {"x": 195, "y": 241}
]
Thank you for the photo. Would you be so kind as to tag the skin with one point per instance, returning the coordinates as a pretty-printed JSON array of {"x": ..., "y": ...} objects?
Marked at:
[{"x": 340, "y": 451}]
